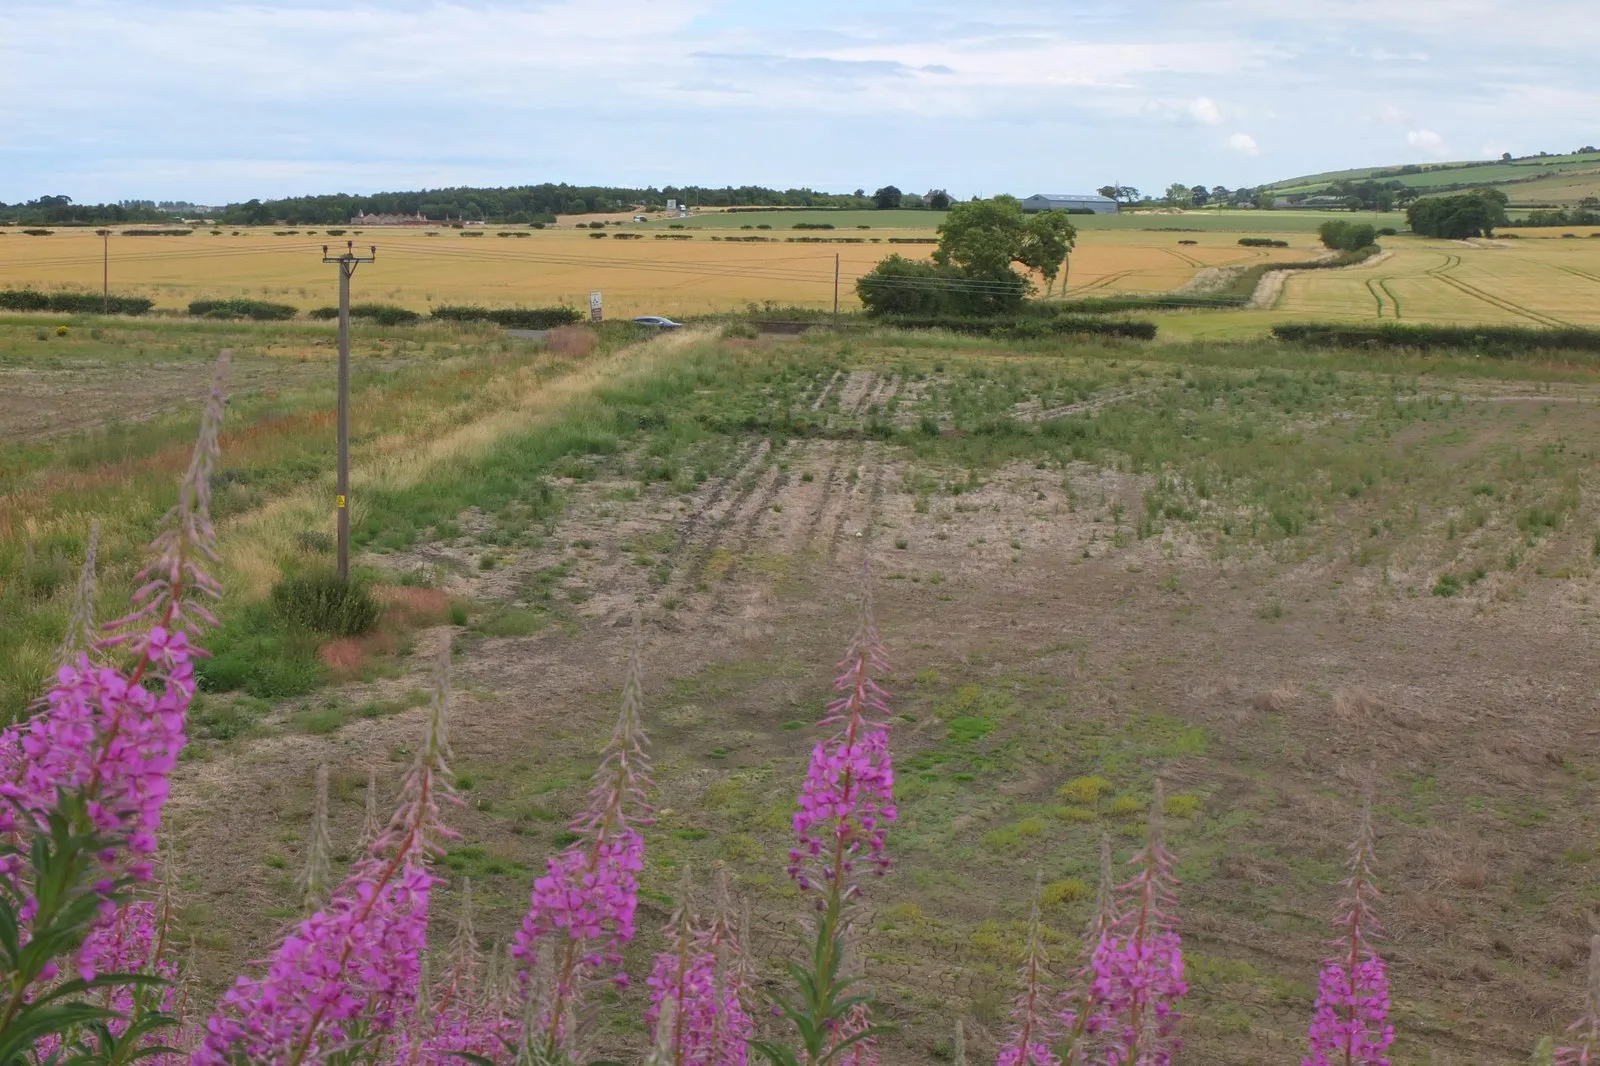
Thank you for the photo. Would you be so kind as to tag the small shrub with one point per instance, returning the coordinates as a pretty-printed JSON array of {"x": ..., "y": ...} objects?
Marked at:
[
  {"x": 1183, "y": 805},
  {"x": 1068, "y": 890},
  {"x": 1447, "y": 585},
  {"x": 320, "y": 602},
  {"x": 1086, "y": 790},
  {"x": 1125, "y": 807}
]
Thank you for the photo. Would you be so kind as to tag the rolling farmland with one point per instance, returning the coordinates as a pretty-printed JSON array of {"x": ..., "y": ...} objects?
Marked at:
[
  {"x": 660, "y": 272},
  {"x": 1528, "y": 283}
]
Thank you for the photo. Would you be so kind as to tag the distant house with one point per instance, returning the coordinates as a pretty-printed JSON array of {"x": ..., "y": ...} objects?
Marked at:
[
  {"x": 390, "y": 220},
  {"x": 1100, "y": 205}
]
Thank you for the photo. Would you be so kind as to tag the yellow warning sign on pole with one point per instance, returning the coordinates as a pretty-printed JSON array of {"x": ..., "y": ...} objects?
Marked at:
[{"x": 339, "y": 500}]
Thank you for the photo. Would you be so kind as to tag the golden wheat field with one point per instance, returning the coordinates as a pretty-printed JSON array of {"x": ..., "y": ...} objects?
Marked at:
[
  {"x": 645, "y": 272},
  {"x": 1544, "y": 281}
]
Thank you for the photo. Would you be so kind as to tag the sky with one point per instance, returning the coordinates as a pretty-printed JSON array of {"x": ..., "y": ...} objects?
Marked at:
[{"x": 214, "y": 101}]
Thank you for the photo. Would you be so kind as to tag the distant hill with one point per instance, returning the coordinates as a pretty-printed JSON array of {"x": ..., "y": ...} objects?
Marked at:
[{"x": 1530, "y": 181}]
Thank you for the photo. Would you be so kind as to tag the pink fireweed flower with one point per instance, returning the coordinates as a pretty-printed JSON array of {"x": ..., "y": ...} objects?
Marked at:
[
  {"x": 1138, "y": 964},
  {"x": 585, "y": 904},
  {"x": 1350, "y": 1022},
  {"x": 176, "y": 583},
  {"x": 1585, "y": 1051},
  {"x": 690, "y": 991},
  {"x": 102, "y": 731},
  {"x": 710, "y": 1027},
  {"x": 1081, "y": 1015},
  {"x": 1031, "y": 1035},
  {"x": 847, "y": 801},
  {"x": 353, "y": 970}
]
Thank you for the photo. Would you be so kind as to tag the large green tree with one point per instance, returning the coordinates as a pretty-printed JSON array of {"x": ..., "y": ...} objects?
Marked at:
[
  {"x": 887, "y": 198},
  {"x": 1047, "y": 240},
  {"x": 972, "y": 269}
]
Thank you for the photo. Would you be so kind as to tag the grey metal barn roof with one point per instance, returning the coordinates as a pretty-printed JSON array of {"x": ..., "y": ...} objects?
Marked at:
[{"x": 1092, "y": 198}]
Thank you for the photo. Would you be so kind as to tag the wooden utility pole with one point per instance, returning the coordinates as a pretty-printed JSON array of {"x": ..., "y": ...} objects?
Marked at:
[
  {"x": 105, "y": 272},
  {"x": 835, "y": 290},
  {"x": 347, "y": 264}
]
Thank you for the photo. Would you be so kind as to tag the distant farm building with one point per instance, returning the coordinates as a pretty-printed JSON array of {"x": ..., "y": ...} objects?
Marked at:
[
  {"x": 1100, "y": 205},
  {"x": 390, "y": 220}
]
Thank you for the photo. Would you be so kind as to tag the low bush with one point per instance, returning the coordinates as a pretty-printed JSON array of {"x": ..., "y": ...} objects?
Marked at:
[
  {"x": 38, "y": 232},
  {"x": 813, "y": 225},
  {"x": 1503, "y": 341},
  {"x": 511, "y": 317},
  {"x": 72, "y": 302},
  {"x": 1264, "y": 242},
  {"x": 472, "y": 233},
  {"x": 155, "y": 233},
  {"x": 318, "y": 601},
  {"x": 259, "y": 310},
  {"x": 336, "y": 233},
  {"x": 382, "y": 314}
]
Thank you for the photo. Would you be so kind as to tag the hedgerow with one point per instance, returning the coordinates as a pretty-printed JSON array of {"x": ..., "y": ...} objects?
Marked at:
[
  {"x": 1507, "y": 341},
  {"x": 259, "y": 310},
  {"x": 510, "y": 317},
  {"x": 72, "y": 302}
]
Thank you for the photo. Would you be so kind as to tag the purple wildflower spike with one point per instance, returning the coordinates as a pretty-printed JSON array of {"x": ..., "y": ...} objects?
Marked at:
[
  {"x": 586, "y": 901},
  {"x": 81, "y": 635},
  {"x": 1350, "y": 1023},
  {"x": 1585, "y": 1050},
  {"x": 314, "y": 880},
  {"x": 1138, "y": 965},
  {"x": 847, "y": 801},
  {"x": 1029, "y": 1042},
  {"x": 354, "y": 968},
  {"x": 176, "y": 584},
  {"x": 696, "y": 1012},
  {"x": 1082, "y": 1015}
]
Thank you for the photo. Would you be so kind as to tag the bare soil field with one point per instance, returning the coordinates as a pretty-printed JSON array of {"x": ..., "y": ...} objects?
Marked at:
[{"x": 1251, "y": 573}]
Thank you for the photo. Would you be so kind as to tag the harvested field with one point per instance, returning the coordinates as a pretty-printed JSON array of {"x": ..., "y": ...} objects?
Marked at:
[{"x": 1248, "y": 570}]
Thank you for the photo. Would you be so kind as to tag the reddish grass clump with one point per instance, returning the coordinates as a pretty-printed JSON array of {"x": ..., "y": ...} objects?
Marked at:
[
  {"x": 413, "y": 607},
  {"x": 570, "y": 340}
]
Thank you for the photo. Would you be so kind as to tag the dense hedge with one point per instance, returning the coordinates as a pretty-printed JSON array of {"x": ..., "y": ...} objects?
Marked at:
[
  {"x": 511, "y": 317},
  {"x": 72, "y": 302},
  {"x": 1022, "y": 327},
  {"x": 1262, "y": 242},
  {"x": 382, "y": 314},
  {"x": 260, "y": 310},
  {"x": 155, "y": 232},
  {"x": 1347, "y": 236},
  {"x": 1490, "y": 340}
]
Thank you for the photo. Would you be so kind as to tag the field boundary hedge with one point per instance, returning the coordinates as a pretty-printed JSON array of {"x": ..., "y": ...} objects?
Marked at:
[
  {"x": 1022, "y": 327},
  {"x": 257, "y": 310},
  {"x": 1237, "y": 293},
  {"x": 72, "y": 302},
  {"x": 1506, "y": 341},
  {"x": 510, "y": 317}
]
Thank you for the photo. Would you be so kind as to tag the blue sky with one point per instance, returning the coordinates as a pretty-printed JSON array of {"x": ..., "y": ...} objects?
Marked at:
[{"x": 216, "y": 100}]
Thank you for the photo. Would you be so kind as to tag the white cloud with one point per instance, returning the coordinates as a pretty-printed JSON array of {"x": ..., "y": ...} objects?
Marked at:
[
  {"x": 1244, "y": 144},
  {"x": 1204, "y": 109},
  {"x": 1428, "y": 143},
  {"x": 1392, "y": 115}
]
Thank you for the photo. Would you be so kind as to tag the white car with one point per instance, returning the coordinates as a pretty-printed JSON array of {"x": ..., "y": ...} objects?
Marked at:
[{"x": 657, "y": 322}]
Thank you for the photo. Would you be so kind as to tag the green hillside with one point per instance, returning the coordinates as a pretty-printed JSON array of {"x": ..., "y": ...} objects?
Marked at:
[{"x": 1530, "y": 179}]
